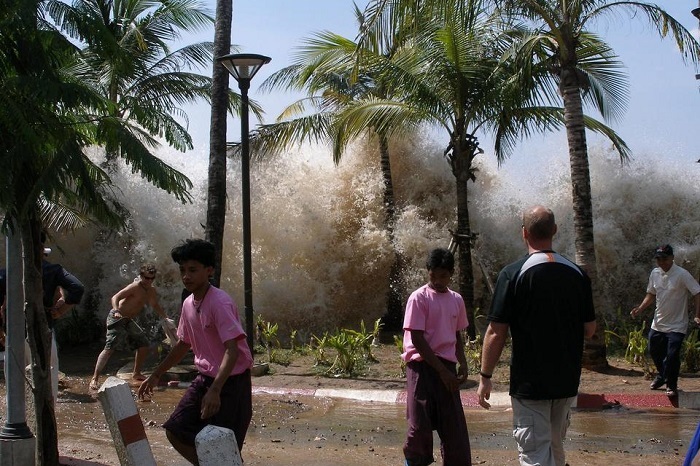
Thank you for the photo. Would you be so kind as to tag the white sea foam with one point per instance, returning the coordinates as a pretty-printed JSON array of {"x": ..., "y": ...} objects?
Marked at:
[{"x": 321, "y": 256}]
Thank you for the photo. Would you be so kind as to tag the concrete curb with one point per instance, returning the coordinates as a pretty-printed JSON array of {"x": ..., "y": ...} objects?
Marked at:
[{"x": 685, "y": 400}]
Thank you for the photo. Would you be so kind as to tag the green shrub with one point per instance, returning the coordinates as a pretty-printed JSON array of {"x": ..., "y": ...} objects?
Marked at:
[{"x": 319, "y": 347}]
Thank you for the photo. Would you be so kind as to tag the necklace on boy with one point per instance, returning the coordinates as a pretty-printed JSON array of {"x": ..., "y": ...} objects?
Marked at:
[{"x": 199, "y": 305}]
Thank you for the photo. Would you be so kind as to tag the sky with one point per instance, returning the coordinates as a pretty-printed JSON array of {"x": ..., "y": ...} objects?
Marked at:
[{"x": 662, "y": 115}]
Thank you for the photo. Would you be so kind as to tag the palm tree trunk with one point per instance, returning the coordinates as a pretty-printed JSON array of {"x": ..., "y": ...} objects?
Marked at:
[
  {"x": 392, "y": 320},
  {"x": 461, "y": 165},
  {"x": 216, "y": 191},
  {"x": 39, "y": 338},
  {"x": 595, "y": 353}
]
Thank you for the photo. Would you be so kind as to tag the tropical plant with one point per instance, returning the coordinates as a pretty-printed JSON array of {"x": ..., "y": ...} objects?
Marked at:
[
  {"x": 326, "y": 67},
  {"x": 42, "y": 139},
  {"x": 636, "y": 345},
  {"x": 269, "y": 334},
  {"x": 319, "y": 348},
  {"x": 583, "y": 70},
  {"x": 454, "y": 76},
  {"x": 293, "y": 340},
  {"x": 127, "y": 60},
  {"x": 636, "y": 351},
  {"x": 348, "y": 352},
  {"x": 472, "y": 352},
  {"x": 216, "y": 174},
  {"x": 48, "y": 116},
  {"x": 365, "y": 338}
]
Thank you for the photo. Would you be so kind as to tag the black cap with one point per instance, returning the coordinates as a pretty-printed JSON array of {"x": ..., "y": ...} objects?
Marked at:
[{"x": 664, "y": 251}]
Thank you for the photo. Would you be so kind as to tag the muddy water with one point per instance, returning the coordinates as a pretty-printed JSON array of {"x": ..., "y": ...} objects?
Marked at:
[{"x": 319, "y": 432}]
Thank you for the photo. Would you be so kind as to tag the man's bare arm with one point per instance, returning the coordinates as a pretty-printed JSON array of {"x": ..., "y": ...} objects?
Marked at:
[
  {"x": 494, "y": 341},
  {"x": 153, "y": 302}
]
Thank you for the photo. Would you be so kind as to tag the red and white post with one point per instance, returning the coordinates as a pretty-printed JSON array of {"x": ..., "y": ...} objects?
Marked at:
[{"x": 125, "y": 423}]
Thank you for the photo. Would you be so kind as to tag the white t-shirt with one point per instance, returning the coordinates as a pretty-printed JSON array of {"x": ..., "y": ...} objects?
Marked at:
[{"x": 671, "y": 289}]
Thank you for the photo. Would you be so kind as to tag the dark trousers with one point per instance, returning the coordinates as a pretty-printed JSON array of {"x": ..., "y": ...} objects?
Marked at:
[
  {"x": 235, "y": 412},
  {"x": 665, "y": 350},
  {"x": 430, "y": 406}
]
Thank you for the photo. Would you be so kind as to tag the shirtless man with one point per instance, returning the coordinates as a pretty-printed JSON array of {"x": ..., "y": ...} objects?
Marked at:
[{"x": 126, "y": 305}]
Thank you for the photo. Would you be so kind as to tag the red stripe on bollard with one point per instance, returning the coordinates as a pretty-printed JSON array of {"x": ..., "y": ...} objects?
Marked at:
[{"x": 131, "y": 429}]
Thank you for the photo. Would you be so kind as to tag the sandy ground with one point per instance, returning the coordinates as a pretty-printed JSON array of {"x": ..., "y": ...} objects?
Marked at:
[{"x": 310, "y": 431}]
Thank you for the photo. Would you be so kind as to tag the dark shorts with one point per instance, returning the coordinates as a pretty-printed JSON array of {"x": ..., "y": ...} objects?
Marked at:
[
  {"x": 235, "y": 413},
  {"x": 122, "y": 331}
]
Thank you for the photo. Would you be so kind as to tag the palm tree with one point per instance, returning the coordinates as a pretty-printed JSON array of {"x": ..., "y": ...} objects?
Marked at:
[
  {"x": 47, "y": 118},
  {"x": 326, "y": 69},
  {"x": 42, "y": 136},
  {"x": 462, "y": 81},
  {"x": 449, "y": 82},
  {"x": 127, "y": 59},
  {"x": 216, "y": 187},
  {"x": 579, "y": 65}
]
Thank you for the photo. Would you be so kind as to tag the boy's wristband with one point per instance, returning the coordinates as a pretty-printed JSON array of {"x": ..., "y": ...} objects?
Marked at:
[{"x": 485, "y": 375}]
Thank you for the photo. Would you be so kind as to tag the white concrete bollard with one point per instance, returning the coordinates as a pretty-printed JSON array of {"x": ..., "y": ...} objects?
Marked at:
[
  {"x": 216, "y": 446},
  {"x": 125, "y": 423}
]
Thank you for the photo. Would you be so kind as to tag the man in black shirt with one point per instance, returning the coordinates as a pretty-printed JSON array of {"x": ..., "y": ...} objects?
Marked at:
[{"x": 546, "y": 302}]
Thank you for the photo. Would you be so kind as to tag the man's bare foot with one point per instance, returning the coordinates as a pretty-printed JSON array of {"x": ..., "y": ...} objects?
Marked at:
[
  {"x": 94, "y": 384},
  {"x": 138, "y": 377}
]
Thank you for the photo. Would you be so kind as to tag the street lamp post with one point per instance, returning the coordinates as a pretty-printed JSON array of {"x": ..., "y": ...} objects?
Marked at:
[
  {"x": 243, "y": 66},
  {"x": 696, "y": 12},
  {"x": 17, "y": 443}
]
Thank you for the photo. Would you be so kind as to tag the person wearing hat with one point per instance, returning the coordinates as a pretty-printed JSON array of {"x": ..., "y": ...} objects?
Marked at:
[{"x": 668, "y": 286}]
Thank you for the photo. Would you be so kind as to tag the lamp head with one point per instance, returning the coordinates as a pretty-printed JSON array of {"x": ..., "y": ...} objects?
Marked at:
[{"x": 243, "y": 66}]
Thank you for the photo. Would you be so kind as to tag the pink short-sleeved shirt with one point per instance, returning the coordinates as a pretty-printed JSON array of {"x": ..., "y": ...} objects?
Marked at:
[
  {"x": 207, "y": 328},
  {"x": 439, "y": 316}
]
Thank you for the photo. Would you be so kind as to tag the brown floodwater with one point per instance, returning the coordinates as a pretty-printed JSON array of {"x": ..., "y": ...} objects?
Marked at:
[{"x": 293, "y": 430}]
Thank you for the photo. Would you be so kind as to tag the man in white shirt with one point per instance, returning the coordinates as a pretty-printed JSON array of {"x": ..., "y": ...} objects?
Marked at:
[{"x": 668, "y": 285}]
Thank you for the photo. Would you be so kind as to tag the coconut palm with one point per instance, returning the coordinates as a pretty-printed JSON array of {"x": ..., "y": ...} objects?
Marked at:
[
  {"x": 326, "y": 68},
  {"x": 465, "y": 83},
  {"x": 578, "y": 61},
  {"x": 48, "y": 116},
  {"x": 42, "y": 137},
  {"x": 216, "y": 185},
  {"x": 127, "y": 58},
  {"x": 448, "y": 80}
]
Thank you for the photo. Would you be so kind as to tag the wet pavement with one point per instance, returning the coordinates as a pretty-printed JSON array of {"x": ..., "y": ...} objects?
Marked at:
[
  {"x": 321, "y": 431},
  {"x": 323, "y": 427}
]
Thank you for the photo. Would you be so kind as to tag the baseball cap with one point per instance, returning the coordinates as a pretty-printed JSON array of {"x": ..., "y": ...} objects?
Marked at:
[{"x": 663, "y": 251}]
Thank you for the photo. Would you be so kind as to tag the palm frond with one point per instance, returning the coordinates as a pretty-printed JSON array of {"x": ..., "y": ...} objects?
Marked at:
[{"x": 665, "y": 25}]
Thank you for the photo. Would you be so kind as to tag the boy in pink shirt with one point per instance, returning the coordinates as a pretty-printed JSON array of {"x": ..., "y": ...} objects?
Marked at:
[
  {"x": 433, "y": 346},
  {"x": 221, "y": 394}
]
